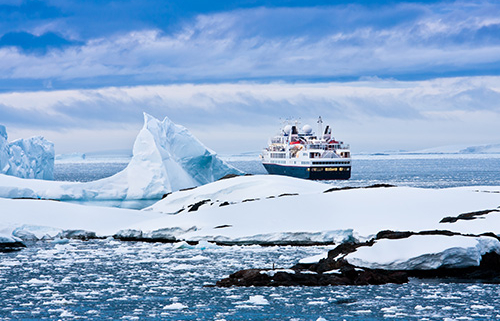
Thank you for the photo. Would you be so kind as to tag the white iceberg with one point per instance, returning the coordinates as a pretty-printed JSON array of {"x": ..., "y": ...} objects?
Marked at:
[
  {"x": 26, "y": 158},
  {"x": 166, "y": 157}
]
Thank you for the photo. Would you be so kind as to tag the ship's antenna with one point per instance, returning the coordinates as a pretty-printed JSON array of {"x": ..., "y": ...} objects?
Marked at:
[{"x": 320, "y": 127}]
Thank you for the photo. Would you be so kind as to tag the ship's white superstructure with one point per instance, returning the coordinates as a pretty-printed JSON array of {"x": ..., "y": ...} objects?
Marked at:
[{"x": 306, "y": 155}]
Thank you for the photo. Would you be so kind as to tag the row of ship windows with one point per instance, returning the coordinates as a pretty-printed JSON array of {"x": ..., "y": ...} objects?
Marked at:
[
  {"x": 330, "y": 169},
  {"x": 278, "y": 155},
  {"x": 330, "y": 163},
  {"x": 314, "y": 163},
  {"x": 277, "y": 162}
]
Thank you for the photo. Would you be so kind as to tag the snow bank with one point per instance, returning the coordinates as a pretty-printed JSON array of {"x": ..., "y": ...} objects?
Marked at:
[
  {"x": 314, "y": 216},
  {"x": 424, "y": 252},
  {"x": 237, "y": 190},
  {"x": 26, "y": 158},
  {"x": 166, "y": 158},
  {"x": 39, "y": 219}
]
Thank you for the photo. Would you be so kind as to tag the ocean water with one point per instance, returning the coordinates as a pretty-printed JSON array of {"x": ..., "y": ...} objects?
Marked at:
[
  {"x": 111, "y": 280},
  {"x": 427, "y": 171}
]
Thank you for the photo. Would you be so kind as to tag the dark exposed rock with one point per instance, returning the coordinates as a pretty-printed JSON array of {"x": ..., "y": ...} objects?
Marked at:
[
  {"x": 165, "y": 195},
  {"x": 226, "y": 203},
  {"x": 335, "y": 270},
  {"x": 490, "y": 234},
  {"x": 6, "y": 247},
  {"x": 270, "y": 243},
  {"x": 78, "y": 235},
  {"x": 187, "y": 189},
  {"x": 393, "y": 235},
  {"x": 347, "y": 276},
  {"x": 250, "y": 200},
  {"x": 222, "y": 226},
  {"x": 180, "y": 210},
  {"x": 128, "y": 234},
  {"x": 35, "y": 198},
  {"x": 487, "y": 272},
  {"x": 288, "y": 194},
  {"x": 228, "y": 176},
  {"x": 335, "y": 189},
  {"x": 331, "y": 262},
  {"x": 388, "y": 234},
  {"x": 467, "y": 216},
  {"x": 380, "y": 186},
  {"x": 196, "y": 206}
]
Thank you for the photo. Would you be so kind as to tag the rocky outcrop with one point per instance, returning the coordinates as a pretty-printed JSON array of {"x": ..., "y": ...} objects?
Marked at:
[
  {"x": 347, "y": 275},
  {"x": 335, "y": 189},
  {"x": 335, "y": 270},
  {"x": 467, "y": 216},
  {"x": 6, "y": 247}
]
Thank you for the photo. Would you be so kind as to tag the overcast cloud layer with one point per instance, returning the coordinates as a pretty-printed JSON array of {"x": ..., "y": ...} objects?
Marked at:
[
  {"x": 372, "y": 114},
  {"x": 385, "y": 74}
]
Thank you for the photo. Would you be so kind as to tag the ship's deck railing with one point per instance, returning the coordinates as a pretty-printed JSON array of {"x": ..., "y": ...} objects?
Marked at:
[{"x": 327, "y": 147}]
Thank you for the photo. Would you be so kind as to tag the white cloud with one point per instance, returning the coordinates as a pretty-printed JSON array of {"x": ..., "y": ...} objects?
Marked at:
[
  {"x": 371, "y": 114},
  {"x": 263, "y": 43}
]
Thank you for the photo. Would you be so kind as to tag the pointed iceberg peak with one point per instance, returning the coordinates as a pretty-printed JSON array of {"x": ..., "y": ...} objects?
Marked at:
[
  {"x": 167, "y": 157},
  {"x": 3, "y": 132}
]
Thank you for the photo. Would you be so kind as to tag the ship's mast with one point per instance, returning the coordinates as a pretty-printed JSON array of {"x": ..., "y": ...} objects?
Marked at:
[{"x": 320, "y": 127}]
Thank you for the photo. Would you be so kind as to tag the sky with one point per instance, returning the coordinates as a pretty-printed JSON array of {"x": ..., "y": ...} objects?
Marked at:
[{"x": 386, "y": 75}]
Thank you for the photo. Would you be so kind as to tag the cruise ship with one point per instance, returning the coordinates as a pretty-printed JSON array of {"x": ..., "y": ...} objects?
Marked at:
[{"x": 303, "y": 154}]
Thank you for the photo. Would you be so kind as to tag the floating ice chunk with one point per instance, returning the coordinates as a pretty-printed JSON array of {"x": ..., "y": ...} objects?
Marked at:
[
  {"x": 204, "y": 245},
  {"x": 481, "y": 307},
  {"x": 314, "y": 259},
  {"x": 258, "y": 300},
  {"x": 175, "y": 306},
  {"x": 336, "y": 271},
  {"x": 271, "y": 273},
  {"x": 182, "y": 246}
]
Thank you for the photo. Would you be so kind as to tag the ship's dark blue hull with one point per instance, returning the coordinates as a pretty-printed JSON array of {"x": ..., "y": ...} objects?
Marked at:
[{"x": 315, "y": 173}]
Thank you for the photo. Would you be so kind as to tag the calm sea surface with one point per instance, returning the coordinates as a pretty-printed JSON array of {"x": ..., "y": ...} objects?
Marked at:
[
  {"x": 110, "y": 280},
  {"x": 417, "y": 171}
]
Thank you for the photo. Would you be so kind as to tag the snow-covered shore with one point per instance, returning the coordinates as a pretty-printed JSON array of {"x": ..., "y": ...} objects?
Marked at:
[{"x": 270, "y": 209}]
